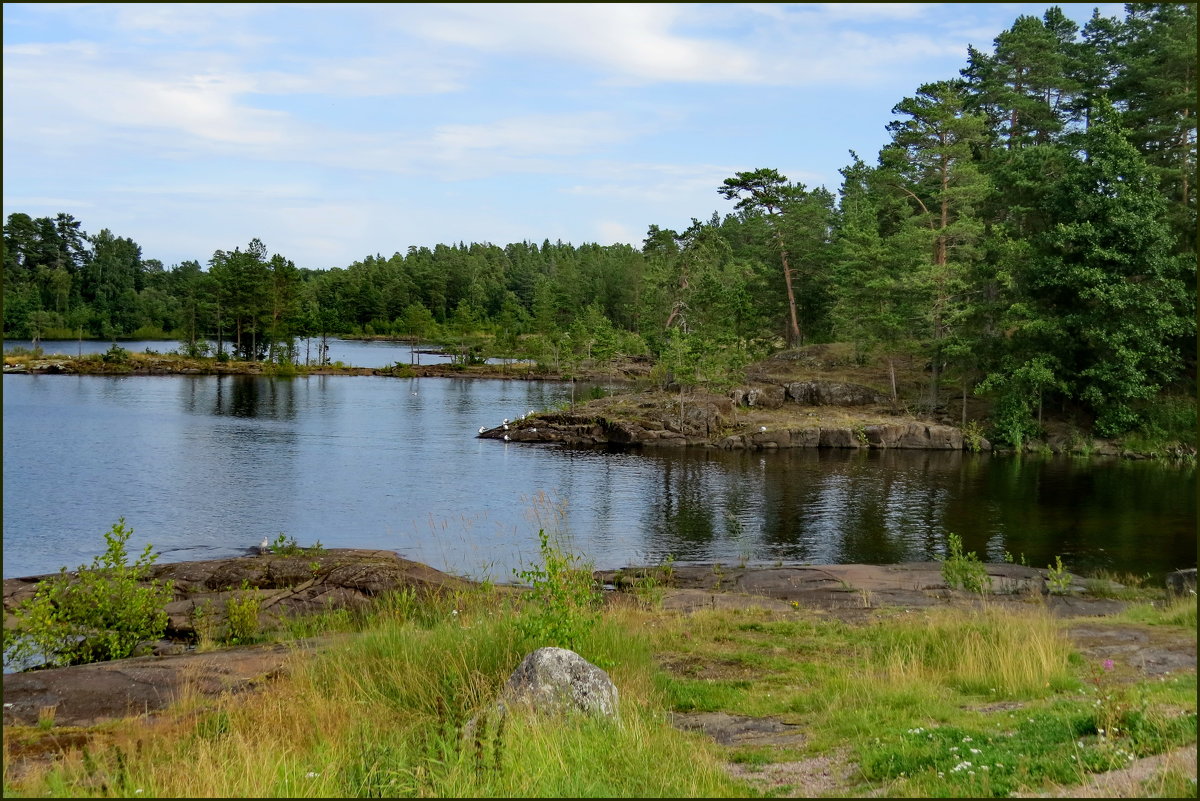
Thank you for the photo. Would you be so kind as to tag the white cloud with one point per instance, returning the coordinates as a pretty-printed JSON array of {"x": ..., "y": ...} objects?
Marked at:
[
  {"x": 609, "y": 232},
  {"x": 534, "y": 134}
]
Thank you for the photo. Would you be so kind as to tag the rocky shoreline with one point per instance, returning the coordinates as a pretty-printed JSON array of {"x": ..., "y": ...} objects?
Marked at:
[{"x": 299, "y": 584}]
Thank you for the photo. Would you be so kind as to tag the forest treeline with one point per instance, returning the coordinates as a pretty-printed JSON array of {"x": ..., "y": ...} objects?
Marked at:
[{"x": 1028, "y": 233}]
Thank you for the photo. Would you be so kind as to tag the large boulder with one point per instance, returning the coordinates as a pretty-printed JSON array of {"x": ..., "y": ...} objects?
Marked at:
[
  {"x": 914, "y": 435},
  {"x": 555, "y": 680},
  {"x": 770, "y": 396},
  {"x": 831, "y": 393}
]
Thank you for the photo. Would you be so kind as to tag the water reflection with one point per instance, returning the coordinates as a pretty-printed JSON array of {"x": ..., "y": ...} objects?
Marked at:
[
  {"x": 219, "y": 462},
  {"x": 880, "y": 507}
]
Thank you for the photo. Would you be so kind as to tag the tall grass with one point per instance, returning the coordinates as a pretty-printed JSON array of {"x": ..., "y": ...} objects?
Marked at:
[
  {"x": 989, "y": 651},
  {"x": 383, "y": 713}
]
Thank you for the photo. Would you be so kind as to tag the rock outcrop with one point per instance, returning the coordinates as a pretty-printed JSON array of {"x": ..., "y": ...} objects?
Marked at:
[
  {"x": 283, "y": 585},
  {"x": 831, "y": 393}
]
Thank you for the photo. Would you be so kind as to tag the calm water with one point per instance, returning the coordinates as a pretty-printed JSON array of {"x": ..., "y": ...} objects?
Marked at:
[
  {"x": 206, "y": 466},
  {"x": 353, "y": 353}
]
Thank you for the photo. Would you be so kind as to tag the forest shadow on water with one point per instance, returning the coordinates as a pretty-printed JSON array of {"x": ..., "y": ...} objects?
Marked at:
[{"x": 207, "y": 466}]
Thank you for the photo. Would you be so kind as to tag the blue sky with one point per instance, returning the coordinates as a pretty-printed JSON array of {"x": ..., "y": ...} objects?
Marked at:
[{"x": 334, "y": 132}]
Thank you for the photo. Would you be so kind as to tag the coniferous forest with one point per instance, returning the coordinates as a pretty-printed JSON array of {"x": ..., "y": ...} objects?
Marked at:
[{"x": 1028, "y": 233}]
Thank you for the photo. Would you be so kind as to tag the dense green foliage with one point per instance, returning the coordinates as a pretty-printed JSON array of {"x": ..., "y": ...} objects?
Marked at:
[
  {"x": 99, "y": 613},
  {"x": 1028, "y": 234}
]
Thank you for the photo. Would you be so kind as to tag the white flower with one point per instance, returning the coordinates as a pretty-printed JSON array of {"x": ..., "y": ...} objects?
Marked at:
[
  {"x": 976, "y": 751},
  {"x": 312, "y": 774},
  {"x": 966, "y": 739}
]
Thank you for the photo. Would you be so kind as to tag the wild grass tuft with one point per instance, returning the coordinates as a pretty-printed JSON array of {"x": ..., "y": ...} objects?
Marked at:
[{"x": 987, "y": 652}]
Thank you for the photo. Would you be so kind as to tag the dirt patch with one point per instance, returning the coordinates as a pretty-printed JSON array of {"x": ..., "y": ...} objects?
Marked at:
[
  {"x": 740, "y": 730},
  {"x": 826, "y": 775}
]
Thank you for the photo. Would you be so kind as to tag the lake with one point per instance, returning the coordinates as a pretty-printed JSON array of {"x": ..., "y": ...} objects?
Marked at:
[
  {"x": 206, "y": 466},
  {"x": 351, "y": 352}
]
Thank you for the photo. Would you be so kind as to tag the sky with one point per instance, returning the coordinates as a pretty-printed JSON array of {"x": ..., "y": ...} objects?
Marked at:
[{"x": 337, "y": 132}]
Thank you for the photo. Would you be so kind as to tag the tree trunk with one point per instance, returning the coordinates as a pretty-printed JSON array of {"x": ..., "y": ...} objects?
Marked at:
[
  {"x": 892, "y": 375},
  {"x": 791, "y": 295},
  {"x": 936, "y": 379}
]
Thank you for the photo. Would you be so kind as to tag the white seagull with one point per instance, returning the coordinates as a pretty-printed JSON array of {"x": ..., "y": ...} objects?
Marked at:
[
  {"x": 481, "y": 429},
  {"x": 762, "y": 429},
  {"x": 506, "y": 437},
  {"x": 264, "y": 546}
]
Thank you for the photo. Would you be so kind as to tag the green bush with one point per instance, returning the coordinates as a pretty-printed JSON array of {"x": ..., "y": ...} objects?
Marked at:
[
  {"x": 565, "y": 603},
  {"x": 964, "y": 570},
  {"x": 284, "y": 545},
  {"x": 116, "y": 355},
  {"x": 241, "y": 615},
  {"x": 100, "y": 613}
]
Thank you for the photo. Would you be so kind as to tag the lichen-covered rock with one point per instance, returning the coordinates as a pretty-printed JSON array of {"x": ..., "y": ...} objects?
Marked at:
[
  {"x": 769, "y": 396},
  {"x": 555, "y": 680},
  {"x": 831, "y": 393}
]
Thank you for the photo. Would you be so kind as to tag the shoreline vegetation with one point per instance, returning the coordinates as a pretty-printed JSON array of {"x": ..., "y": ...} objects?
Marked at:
[
  {"x": 958, "y": 679},
  {"x": 818, "y": 396}
]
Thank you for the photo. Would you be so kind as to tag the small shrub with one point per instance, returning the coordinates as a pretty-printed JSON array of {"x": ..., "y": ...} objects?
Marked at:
[
  {"x": 100, "y": 613},
  {"x": 565, "y": 604},
  {"x": 284, "y": 369},
  {"x": 194, "y": 350},
  {"x": 1058, "y": 578},
  {"x": 860, "y": 434},
  {"x": 241, "y": 615},
  {"x": 973, "y": 435},
  {"x": 284, "y": 545},
  {"x": 204, "y": 625},
  {"x": 116, "y": 355},
  {"x": 964, "y": 570}
]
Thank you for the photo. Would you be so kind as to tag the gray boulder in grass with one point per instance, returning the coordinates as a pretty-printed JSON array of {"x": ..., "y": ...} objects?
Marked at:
[{"x": 556, "y": 680}]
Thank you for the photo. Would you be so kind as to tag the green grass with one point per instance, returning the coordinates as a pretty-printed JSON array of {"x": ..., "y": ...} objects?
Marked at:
[
  {"x": 382, "y": 713},
  {"x": 912, "y": 698},
  {"x": 913, "y": 694}
]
